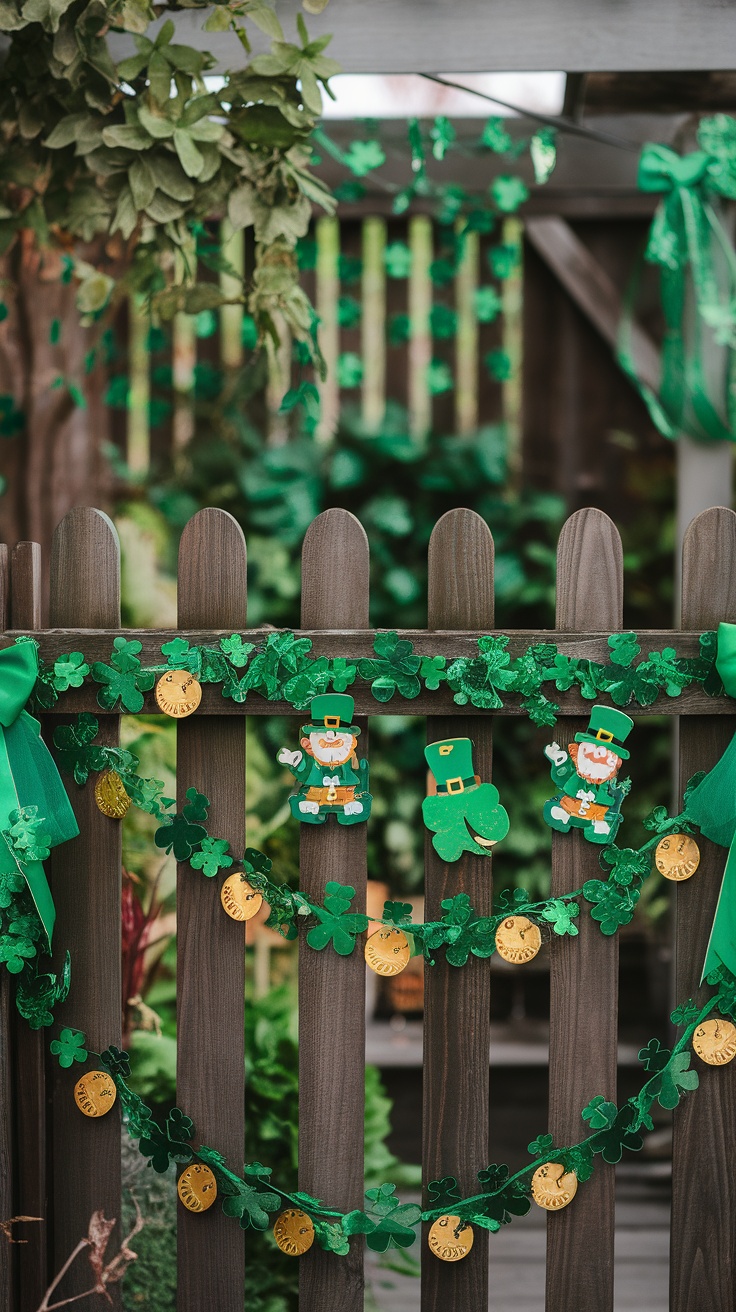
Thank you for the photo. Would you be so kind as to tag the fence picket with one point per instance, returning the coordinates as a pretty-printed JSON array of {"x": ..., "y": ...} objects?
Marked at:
[
  {"x": 583, "y": 971},
  {"x": 335, "y": 592},
  {"x": 703, "y": 1246},
  {"x": 30, "y": 1045},
  {"x": 457, "y": 1002},
  {"x": 211, "y": 947},
  {"x": 85, "y": 881}
]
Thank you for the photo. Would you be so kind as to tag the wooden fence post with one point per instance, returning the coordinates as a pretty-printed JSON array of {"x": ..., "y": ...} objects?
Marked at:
[
  {"x": 457, "y": 1005},
  {"x": 210, "y": 1067},
  {"x": 31, "y": 1198},
  {"x": 335, "y": 593},
  {"x": 703, "y": 1247},
  {"x": 583, "y": 1037},
  {"x": 85, "y": 881}
]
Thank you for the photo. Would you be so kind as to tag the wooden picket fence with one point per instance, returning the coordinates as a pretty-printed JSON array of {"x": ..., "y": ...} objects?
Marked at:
[{"x": 58, "y": 1165}]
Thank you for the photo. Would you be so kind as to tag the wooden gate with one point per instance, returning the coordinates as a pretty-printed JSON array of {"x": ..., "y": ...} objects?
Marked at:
[{"x": 56, "y": 1164}]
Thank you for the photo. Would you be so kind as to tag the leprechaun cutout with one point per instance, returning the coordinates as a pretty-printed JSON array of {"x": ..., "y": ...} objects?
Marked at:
[
  {"x": 589, "y": 796},
  {"x": 465, "y": 814},
  {"x": 332, "y": 781}
]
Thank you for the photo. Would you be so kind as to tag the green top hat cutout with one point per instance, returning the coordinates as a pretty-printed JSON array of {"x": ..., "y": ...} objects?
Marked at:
[
  {"x": 332, "y": 710},
  {"x": 608, "y": 727},
  {"x": 451, "y": 763}
]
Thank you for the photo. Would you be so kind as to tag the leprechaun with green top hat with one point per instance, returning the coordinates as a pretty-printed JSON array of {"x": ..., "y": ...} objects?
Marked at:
[
  {"x": 465, "y": 815},
  {"x": 589, "y": 796},
  {"x": 332, "y": 781}
]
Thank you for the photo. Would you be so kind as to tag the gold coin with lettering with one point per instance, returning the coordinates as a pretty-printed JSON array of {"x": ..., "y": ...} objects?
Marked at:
[
  {"x": 110, "y": 795},
  {"x": 178, "y": 693},
  {"x": 715, "y": 1041},
  {"x": 518, "y": 939},
  {"x": 387, "y": 951},
  {"x": 293, "y": 1232},
  {"x": 677, "y": 856},
  {"x": 553, "y": 1187},
  {"x": 95, "y": 1093},
  {"x": 197, "y": 1187},
  {"x": 240, "y": 900},
  {"x": 450, "y": 1238}
]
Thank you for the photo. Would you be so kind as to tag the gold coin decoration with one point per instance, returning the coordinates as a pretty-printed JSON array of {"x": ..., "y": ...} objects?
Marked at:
[
  {"x": 197, "y": 1188},
  {"x": 715, "y": 1042},
  {"x": 677, "y": 857},
  {"x": 518, "y": 939},
  {"x": 240, "y": 900},
  {"x": 178, "y": 693},
  {"x": 450, "y": 1238},
  {"x": 293, "y": 1232},
  {"x": 553, "y": 1187},
  {"x": 110, "y": 795},
  {"x": 95, "y": 1093},
  {"x": 387, "y": 951}
]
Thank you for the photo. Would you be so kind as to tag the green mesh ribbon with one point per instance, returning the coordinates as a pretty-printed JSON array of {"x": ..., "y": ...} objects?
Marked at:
[
  {"x": 712, "y": 807},
  {"x": 697, "y": 268},
  {"x": 35, "y": 813}
]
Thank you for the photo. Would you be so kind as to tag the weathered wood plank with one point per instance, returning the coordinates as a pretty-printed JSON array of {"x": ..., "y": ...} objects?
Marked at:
[
  {"x": 355, "y": 644},
  {"x": 477, "y": 37},
  {"x": 85, "y": 880},
  {"x": 584, "y": 970},
  {"x": 211, "y": 946},
  {"x": 335, "y": 588},
  {"x": 30, "y": 1045},
  {"x": 703, "y": 1245},
  {"x": 457, "y": 1015},
  {"x": 7, "y": 1008},
  {"x": 591, "y": 289}
]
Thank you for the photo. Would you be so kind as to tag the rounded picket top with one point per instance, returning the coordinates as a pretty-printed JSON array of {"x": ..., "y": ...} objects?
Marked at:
[
  {"x": 212, "y": 572},
  {"x": 590, "y": 573},
  {"x": 85, "y": 571},
  {"x": 460, "y": 572},
  {"x": 709, "y": 568},
  {"x": 335, "y": 572}
]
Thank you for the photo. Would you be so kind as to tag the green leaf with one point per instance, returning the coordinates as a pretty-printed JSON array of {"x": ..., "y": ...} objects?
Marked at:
[
  {"x": 212, "y": 856},
  {"x": 337, "y": 924},
  {"x": 69, "y": 1047}
]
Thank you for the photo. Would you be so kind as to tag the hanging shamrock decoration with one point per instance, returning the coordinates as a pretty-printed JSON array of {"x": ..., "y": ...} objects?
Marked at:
[
  {"x": 465, "y": 815},
  {"x": 589, "y": 797},
  {"x": 332, "y": 781}
]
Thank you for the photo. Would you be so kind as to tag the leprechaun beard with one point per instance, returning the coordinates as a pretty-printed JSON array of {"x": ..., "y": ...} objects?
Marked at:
[
  {"x": 335, "y": 752},
  {"x": 593, "y": 764}
]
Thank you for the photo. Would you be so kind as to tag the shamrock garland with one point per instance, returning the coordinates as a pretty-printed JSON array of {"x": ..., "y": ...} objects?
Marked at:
[
  {"x": 387, "y": 1222},
  {"x": 283, "y": 669}
]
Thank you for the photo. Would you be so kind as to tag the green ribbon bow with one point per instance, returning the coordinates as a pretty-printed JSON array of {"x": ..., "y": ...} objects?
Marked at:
[
  {"x": 697, "y": 267},
  {"x": 712, "y": 807},
  {"x": 28, "y": 778}
]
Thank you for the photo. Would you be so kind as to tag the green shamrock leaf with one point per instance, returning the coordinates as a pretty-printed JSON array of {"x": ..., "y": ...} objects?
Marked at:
[
  {"x": 27, "y": 838},
  {"x": 116, "y": 1061},
  {"x": 618, "y": 1135},
  {"x": 397, "y": 913},
  {"x": 343, "y": 673},
  {"x": 393, "y": 1222},
  {"x": 685, "y": 1014},
  {"x": 362, "y": 157},
  {"x": 432, "y": 671},
  {"x": 513, "y": 901},
  {"x": 499, "y": 365},
  {"x": 282, "y": 657},
  {"x": 479, "y": 680},
  {"x": 397, "y": 258},
  {"x": 503, "y": 260},
  {"x": 236, "y": 650},
  {"x": 331, "y": 1237},
  {"x": 14, "y": 952},
  {"x": 180, "y": 656},
  {"x": 488, "y": 304},
  {"x": 612, "y": 906},
  {"x": 561, "y": 916},
  {"x": 599, "y": 1113},
  {"x": 541, "y": 1146},
  {"x": 73, "y": 751},
  {"x": 394, "y": 668},
  {"x": 167, "y": 1144},
  {"x": 308, "y": 683},
  {"x": 673, "y": 1080},
  {"x": 183, "y": 833},
  {"x": 36, "y": 995},
  {"x": 508, "y": 193},
  {"x": 654, "y": 1057},
  {"x": 493, "y": 1176},
  {"x": 624, "y": 648},
  {"x": 668, "y": 672},
  {"x": 579, "y": 1159},
  {"x": 251, "y": 1206},
  {"x": 257, "y": 863},
  {"x": 212, "y": 856},
  {"x": 69, "y": 1047},
  {"x": 628, "y": 865},
  {"x": 123, "y": 681},
  {"x": 443, "y": 1193},
  {"x": 502, "y": 1202},
  {"x": 70, "y": 671},
  {"x": 495, "y": 136},
  {"x": 26, "y": 926},
  {"x": 10, "y": 884},
  {"x": 337, "y": 924}
]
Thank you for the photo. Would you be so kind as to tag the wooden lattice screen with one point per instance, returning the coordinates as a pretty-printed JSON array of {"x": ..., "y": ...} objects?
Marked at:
[{"x": 56, "y": 1164}]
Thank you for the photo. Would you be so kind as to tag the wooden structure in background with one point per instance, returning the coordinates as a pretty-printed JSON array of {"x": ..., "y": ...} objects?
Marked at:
[{"x": 78, "y": 1169}]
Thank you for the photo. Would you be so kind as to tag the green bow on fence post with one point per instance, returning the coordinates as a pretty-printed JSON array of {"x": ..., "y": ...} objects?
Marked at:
[
  {"x": 712, "y": 807},
  {"x": 35, "y": 812},
  {"x": 697, "y": 266}
]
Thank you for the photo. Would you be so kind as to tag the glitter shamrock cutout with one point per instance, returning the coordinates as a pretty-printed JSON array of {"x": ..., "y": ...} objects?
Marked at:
[
  {"x": 14, "y": 952},
  {"x": 338, "y": 925},
  {"x": 69, "y": 1047},
  {"x": 184, "y": 832},
  {"x": 212, "y": 856},
  {"x": 27, "y": 838},
  {"x": 123, "y": 681},
  {"x": 171, "y": 1143},
  {"x": 70, "y": 671}
]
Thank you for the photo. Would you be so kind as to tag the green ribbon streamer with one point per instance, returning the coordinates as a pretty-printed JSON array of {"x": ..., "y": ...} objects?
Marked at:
[
  {"x": 28, "y": 776},
  {"x": 712, "y": 807},
  {"x": 688, "y": 243}
]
